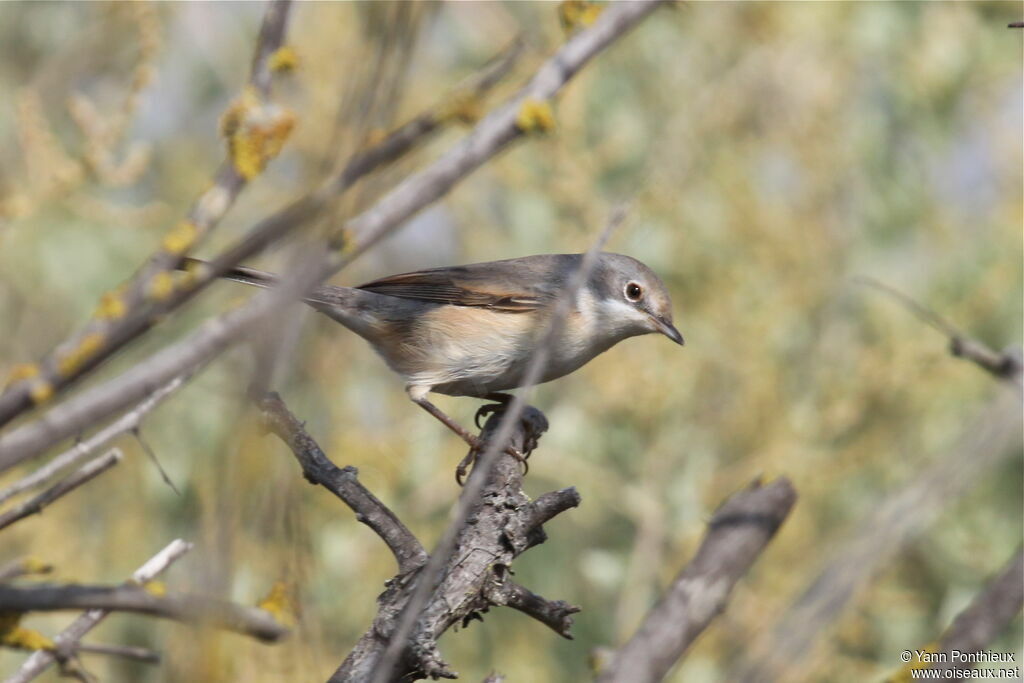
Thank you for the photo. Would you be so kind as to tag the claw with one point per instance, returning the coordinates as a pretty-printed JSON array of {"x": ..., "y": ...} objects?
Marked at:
[{"x": 485, "y": 410}]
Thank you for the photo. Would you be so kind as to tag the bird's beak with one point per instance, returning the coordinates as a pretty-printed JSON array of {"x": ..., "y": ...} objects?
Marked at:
[{"x": 668, "y": 329}]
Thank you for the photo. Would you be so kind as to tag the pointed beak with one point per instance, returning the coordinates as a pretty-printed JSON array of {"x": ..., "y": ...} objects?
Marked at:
[{"x": 667, "y": 329}]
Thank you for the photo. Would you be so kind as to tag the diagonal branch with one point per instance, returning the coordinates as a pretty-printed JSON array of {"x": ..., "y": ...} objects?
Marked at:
[
  {"x": 86, "y": 473},
  {"x": 737, "y": 534},
  {"x": 342, "y": 482}
]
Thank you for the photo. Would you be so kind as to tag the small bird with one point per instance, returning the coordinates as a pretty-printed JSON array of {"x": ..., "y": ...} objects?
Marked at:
[{"x": 471, "y": 330}]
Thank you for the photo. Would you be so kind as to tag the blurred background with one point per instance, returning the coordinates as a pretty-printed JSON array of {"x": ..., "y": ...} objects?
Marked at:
[{"x": 775, "y": 151}]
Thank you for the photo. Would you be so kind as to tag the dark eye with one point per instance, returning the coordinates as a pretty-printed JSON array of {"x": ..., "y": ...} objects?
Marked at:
[{"x": 634, "y": 291}]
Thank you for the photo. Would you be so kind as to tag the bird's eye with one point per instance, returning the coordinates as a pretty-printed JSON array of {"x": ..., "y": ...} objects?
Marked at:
[{"x": 634, "y": 291}]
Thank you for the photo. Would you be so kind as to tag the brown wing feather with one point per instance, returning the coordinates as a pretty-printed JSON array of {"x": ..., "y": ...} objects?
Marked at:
[{"x": 500, "y": 285}]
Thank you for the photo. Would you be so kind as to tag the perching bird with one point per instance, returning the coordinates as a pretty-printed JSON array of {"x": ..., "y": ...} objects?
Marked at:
[{"x": 471, "y": 330}]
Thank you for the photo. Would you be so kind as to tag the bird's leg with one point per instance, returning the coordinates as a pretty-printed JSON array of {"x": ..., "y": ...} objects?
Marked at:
[
  {"x": 501, "y": 401},
  {"x": 473, "y": 441},
  {"x": 475, "y": 446}
]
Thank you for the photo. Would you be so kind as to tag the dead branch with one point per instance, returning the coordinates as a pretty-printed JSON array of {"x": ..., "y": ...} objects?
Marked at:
[
  {"x": 737, "y": 534},
  {"x": 343, "y": 483},
  {"x": 505, "y": 523},
  {"x": 501, "y": 528},
  {"x": 86, "y": 473},
  {"x": 68, "y": 639},
  {"x": 487, "y": 139},
  {"x": 991, "y": 611}
]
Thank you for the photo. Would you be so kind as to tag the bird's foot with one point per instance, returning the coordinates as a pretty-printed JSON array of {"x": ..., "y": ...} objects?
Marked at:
[{"x": 475, "y": 449}]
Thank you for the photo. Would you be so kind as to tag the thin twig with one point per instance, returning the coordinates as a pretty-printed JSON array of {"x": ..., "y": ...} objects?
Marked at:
[
  {"x": 250, "y": 621},
  {"x": 43, "y": 659},
  {"x": 87, "y": 472},
  {"x": 342, "y": 482},
  {"x": 1006, "y": 365},
  {"x": 737, "y": 534}
]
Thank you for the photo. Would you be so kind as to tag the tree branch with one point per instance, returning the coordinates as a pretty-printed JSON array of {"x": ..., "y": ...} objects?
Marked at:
[
  {"x": 250, "y": 621},
  {"x": 557, "y": 614},
  {"x": 342, "y": 482},
  {"x": 86, "y": 473},
  {"x": 737, "y": 534},
  {"x": 474, "y": 577},
  {"x": 69, "y": 637}
]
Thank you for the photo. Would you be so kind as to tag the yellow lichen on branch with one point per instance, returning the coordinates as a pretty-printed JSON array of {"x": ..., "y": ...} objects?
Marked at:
[
  {"x": 74, "y": 359},
  {"x": 279, "y": 603},
  {"x": 161, "y": 286},
  {"x": 111, "y": 306},
  {"x": 180, "y": 238},
  {"x": 283, "y": 59},
  {"x": 256, "y": 131},
  {"x": 15, "y": 636},
  {"x": 577, "y": 14},
  {"x": 535, "y": 116}
]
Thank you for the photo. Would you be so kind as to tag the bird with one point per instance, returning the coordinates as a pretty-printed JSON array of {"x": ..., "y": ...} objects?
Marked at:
[{"x": 470, "y": 330}]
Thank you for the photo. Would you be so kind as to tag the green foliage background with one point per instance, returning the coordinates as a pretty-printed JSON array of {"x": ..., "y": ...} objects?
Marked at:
[{"x": 775, "y": 150}]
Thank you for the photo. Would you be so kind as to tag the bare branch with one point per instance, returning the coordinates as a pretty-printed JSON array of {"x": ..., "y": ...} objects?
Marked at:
[
  {"x": 251, "y": 621},
  {"x": 991, "y": 611},
  {"x": 342, "y": 482},
  {"x": 42, "y": 659},
  {"x": 475, "y": 576},
  {"x": 124, "y": 424},
  {"x": 557, "y": 614},
  {"x": 737, "y": 534},
  {"x": 35, "y": 505},
  {"x": 1006, "y": 365}
]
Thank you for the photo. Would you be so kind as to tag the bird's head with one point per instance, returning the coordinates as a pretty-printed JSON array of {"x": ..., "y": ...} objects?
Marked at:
[{"x": 632, "y": 300}]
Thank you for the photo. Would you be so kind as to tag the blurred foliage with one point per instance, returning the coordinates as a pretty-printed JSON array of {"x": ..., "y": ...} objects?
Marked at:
[{"x": 776, "y": 151}]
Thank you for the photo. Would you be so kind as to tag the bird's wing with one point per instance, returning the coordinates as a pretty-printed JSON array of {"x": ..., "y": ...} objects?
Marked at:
[{"x": 514, "y": 286}]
